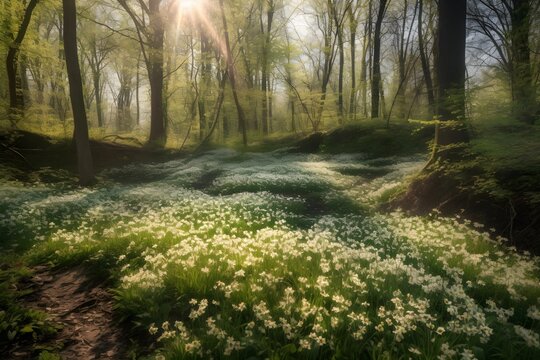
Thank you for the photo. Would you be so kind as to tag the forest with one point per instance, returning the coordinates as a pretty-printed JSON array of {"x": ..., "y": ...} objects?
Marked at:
[{"x": 269, "y": 179}]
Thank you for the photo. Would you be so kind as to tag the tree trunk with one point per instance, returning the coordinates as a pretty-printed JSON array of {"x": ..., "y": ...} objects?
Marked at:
[
  {"x": 364, "y": 69},
  {"x": 265, "y": 70},
  {"x": 84, "y": 155},
  {"x": 264, "y": 100},
  {"x": 523, "y": 92},
  {"x": 232, "y": 76},
  {"x": 270, "y": 105},
  {"x": 376, "y": 79},
  {"x": 451, "y": 69},
  {"x": 158, "y": 135},
  {"x": 340, "y": 73},
  {"x": 25, "y": 86},
  {"x": 353, "y": 24},
  {"x": 15, "y": 100},
  {"x": 424, "y": 60},
  {"x": 99, "y": 105},
  {"x": 137, "y": 87},
  {"x": 206, "y": 68}
]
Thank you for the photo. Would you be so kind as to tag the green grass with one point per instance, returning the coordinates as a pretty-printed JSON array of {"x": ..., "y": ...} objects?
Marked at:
[
  {"x": 19, "y": 324},
  {"x": 243, "y": 267}
]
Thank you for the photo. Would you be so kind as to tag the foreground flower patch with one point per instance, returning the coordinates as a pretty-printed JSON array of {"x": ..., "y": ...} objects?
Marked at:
[{"x": 221, "y": 272}]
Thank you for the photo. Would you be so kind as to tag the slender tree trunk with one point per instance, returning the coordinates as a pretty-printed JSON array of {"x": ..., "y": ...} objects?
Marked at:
[
  {"x": 99, "y": 106},
  {"x": 232, "y": 76},
  {"x": 158, "y": 135},
  {"x": 364, "y": 69},
  {"x": 425, "y": 62},
  {"x": 328, "y": 65},
  {"x": 205, "y": 82},
  {"x": 84, "y": 155},
  {"x": 340, "y": 73},
  {"x": 523, "y": 92},
  {"x": 25, "y": 87},
  {"x": 264, "y": 93},
  {"x": 137, "y": 86},
  {"x": 376, "y": 79},
  {"x": 353, "y": 25},
  {"x": 12, "y": 58},
  {"x": 270, "y": 104},
  {"x": 265, "y": 70}
]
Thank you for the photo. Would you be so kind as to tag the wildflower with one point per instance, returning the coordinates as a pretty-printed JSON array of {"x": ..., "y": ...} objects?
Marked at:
[
  {"x": 533, "y": 313},
  {"x": 240, "y": 307},
  {"x": 152, "y": 329},
  {"x": 532, "y": 339}
]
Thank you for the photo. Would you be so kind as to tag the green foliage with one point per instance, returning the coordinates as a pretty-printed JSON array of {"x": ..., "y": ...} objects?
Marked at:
[
  {"x": 372, "y": 139},
  {"x": 17, "y": 322},
  {"x": 205, "y": 260}
]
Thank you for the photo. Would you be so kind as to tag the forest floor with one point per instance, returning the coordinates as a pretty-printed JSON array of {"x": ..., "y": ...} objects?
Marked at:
[
  {"x": 82, "y": 309},
  {"x": 275, "y": 254}
]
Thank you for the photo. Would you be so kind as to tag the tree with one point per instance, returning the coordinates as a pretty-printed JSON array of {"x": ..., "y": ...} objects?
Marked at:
[
  {"x": 352, "y": 14},
  {"x": 84, "y": 155},
  {"x": 451, "y": 70},
  {"x": 523, "y": 92},
  {"x": 98, "y": 47},
  {"x": 506, "y": 29},
  {"x": 16, "y": 102},
  {"x": 424, "y": 60},
  {"x": 232, "y": 75},
  {"x": 151, "y": 39},
  {"x": 376, "y": 81},
  {"x": 270, "y": 10},
  {"x": 339, "y": 10}
]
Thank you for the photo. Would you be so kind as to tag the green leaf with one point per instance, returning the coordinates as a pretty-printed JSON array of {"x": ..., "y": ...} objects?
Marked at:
[
  {"x": 27, "y": 329},
  {"x": 288, "y": 349}
]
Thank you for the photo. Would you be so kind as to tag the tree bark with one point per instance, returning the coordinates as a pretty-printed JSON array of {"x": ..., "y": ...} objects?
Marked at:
[
  {"x": 451, "y": 70},
  {"x": 158, "y": 135},
  {"x": 364, "y": 66},
  {"x": 341, "y": 70},
  {"x": 523, "y": 92},
  {"x": 151, "y": 39},
  {"x": 353, "y": 25},
  {"x": 84, "y": 155},
  {"x": 376, "y": 79},
  {"x": 265, "y": 69},
  {"x": 424, "y": 60},
  {"x": 15, "y": 99},
  {"x": 232, "y": 76}
]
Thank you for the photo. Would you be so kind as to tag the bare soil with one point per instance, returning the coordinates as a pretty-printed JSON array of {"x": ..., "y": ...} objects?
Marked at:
[{"x": 83, "y": 309}]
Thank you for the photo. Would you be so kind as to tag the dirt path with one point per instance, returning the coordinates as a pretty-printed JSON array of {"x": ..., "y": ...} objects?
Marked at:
[{"x": 83, "y": 309}]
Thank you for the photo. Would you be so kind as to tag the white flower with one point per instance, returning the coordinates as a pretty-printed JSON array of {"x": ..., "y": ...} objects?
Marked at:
[{"x": 532, "y": 339}]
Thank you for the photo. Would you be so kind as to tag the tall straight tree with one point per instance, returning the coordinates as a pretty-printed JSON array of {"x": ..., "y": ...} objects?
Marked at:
[
  {"x": 523, "y": 91},
  {"x": 352, "y": 13},
  {"x": 232, "y": 75},
  {"x": 451, "y": 69},
  {"x": 376, "y": 81},
  {"x": 84, "y": 155},
  {"x": 506, "y": 26},
  {"x": 424, "y": 59},
  {"x": 270, "y": 10},
  {"x": 151, "y": 38},
  {"x": 16, "y": 102}
]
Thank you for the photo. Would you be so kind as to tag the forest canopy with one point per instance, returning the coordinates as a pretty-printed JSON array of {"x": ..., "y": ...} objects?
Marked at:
[{"x": 157, "y": 70}]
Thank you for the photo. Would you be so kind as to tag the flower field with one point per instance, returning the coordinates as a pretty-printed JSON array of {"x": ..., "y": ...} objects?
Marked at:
[{"x": 276, "y": 255}]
